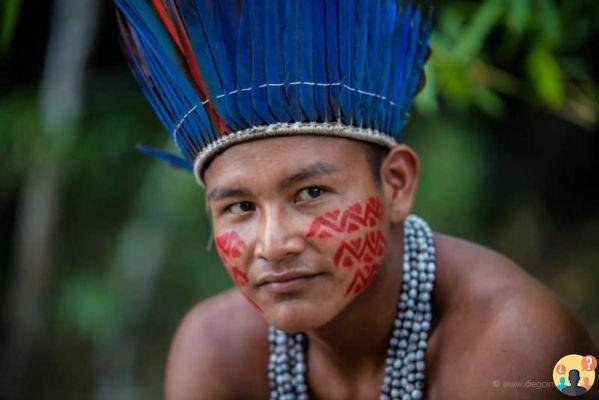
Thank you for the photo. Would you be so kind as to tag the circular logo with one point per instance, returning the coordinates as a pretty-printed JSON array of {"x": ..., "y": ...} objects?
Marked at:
[{"x": 574, "y": 374}]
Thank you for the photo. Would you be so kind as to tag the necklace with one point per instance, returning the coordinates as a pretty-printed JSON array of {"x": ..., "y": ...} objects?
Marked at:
[{"x": 404, "y": 365}]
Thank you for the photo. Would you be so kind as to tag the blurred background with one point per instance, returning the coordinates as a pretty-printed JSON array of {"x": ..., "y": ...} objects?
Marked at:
[{"x": 103, "y": 249}]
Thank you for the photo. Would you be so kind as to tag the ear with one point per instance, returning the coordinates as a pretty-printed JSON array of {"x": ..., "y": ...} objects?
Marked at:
[{"x": 399, "y": 178}]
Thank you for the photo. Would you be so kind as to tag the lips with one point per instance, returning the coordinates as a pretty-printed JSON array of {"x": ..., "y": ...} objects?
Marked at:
[{"x": 287, "y": 282}]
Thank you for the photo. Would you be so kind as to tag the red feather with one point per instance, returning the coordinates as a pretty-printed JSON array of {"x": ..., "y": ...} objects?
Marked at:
[{"x": 177, "y": 32}]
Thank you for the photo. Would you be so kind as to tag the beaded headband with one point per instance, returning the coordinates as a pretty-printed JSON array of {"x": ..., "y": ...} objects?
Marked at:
[{"x": 219, "y": 73}]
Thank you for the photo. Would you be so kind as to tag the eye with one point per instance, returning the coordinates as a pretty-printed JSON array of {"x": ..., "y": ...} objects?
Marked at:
[
  {"x": 309, "y": 193},
  {"x": 241, "y": 207}
]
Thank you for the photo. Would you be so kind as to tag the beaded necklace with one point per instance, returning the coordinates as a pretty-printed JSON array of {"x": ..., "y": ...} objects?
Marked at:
[{"x": 404, "y": 365}]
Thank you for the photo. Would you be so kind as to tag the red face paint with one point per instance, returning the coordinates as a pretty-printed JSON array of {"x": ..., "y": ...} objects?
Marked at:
[
  {"x": 230, "y": 248},
  {"x": 361, "y": 245}
]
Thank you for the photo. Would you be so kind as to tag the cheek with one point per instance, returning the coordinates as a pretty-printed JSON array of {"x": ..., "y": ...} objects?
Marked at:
[
  {"x": 231, "y": 248},
  {"x": 355, "y": 240}
]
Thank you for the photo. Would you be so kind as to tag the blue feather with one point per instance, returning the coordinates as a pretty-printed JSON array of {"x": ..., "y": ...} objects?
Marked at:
[
  {"x": 359, "y": 60},
  {"x": 306, "y": 55},
  {"x": 203, "y": 29},
  {"x": 224, "y": 43},
  {"x": 409, "y": 74},
  {"x": 372, "y": 76},
  {"x": 321, "y": 93},
  {"x": 347, "y": 11},
  {"x": 273, "y": 59},
  {"x": 244, "y": 67},
  {"x": 332, "y": 57},
  {"x": 153, "y": 60},
  {"x": 400, "y": 50},
  {"x": 171, "y": 159},
  {"x": 385, "y": 65},
  {"x": 292, "y": 54},
  {"x": 259, "y": 90}
]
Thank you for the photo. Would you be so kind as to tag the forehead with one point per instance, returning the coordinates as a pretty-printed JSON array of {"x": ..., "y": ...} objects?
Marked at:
[{"x": 272, "y": 159}]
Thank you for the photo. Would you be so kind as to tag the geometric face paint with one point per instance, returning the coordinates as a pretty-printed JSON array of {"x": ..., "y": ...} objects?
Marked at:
[
  {"x": 362, "y": 244},
  {"x": 230, "y": 248}
]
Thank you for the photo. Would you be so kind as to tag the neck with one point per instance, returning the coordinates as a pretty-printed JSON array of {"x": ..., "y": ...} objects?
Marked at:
[{"x": 358, "y": 337}]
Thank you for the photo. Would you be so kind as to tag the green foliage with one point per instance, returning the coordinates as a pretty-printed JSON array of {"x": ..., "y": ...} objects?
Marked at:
[
  {"x": 86, "y": 306},
  {"x": 9, "y": 15},
  {"x": 473, "y": 45}
]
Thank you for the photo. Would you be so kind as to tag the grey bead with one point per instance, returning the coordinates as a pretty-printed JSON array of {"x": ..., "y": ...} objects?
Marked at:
[
  {"x": 416, "y": 394},
  {"x": 301, "y": 388},
  {"x": 420, "y": 366},
  {"x": 395, "y": 393},
  {"x": 398, "y": 363}
]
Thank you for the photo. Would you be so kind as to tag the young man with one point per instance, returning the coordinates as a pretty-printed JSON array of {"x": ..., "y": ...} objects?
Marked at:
[{"x": 289, "y": 112}]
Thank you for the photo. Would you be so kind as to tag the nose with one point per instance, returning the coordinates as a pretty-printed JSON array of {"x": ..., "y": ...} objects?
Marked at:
[{"x": 279, "y": 237}]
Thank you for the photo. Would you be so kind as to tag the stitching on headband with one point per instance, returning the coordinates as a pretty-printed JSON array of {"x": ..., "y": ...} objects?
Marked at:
[{"x": 220, "y": 96}]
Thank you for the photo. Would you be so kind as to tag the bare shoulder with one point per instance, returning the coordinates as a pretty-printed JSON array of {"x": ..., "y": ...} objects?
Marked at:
[
  {"x": 219, "y": 351},
  {"x": 500, "y": 327}
]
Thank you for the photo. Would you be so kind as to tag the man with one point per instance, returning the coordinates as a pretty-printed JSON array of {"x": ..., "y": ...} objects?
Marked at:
[
  {"x": 574, "y": 389},
  {"x": 289, "y": 114}
]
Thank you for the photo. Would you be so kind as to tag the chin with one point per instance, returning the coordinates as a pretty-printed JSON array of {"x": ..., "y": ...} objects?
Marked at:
[{"x": 297, "y": 315}]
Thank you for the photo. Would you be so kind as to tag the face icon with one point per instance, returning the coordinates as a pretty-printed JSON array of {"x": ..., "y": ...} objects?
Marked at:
[{"x": 301, "y": 232}]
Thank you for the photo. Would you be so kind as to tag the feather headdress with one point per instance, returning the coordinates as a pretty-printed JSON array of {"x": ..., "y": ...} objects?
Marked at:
[{"x": 219, "y": 73}]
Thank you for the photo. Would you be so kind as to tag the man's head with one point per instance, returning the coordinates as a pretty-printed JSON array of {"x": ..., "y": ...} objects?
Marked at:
[
  {"x": 318, "y": 208},
  {"x": 574, "y": 377}
]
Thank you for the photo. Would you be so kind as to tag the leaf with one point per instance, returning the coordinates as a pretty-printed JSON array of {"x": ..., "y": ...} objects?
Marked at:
[
  {"x": 484, "y": 20},
  {"x": 549, "y": 21},
  {"x": 546, "y": 76},
  {"x": 518, "y": 16},
  {"x": 9, "y": 12}
]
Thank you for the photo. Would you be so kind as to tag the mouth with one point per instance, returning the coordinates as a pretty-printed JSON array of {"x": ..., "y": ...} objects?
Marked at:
[{"x": 288, "y": 281}]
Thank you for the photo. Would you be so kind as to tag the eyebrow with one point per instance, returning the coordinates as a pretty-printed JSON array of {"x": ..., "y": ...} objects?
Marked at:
[
  {"x": 220, "y": 193},
  {"x": 310, "y": 171}
]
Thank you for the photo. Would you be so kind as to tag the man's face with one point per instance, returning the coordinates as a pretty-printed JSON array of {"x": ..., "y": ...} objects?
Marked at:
[{"x": 299, "y": 224}]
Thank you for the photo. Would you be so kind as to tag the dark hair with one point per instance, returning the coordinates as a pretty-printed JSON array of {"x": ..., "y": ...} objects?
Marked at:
[{"x": 375, "y": 155}]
